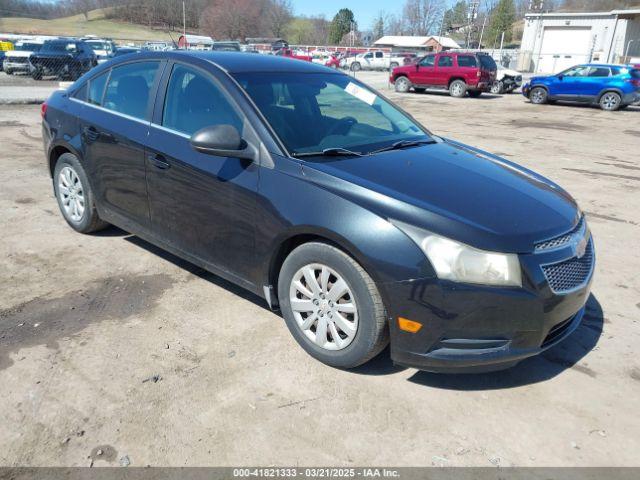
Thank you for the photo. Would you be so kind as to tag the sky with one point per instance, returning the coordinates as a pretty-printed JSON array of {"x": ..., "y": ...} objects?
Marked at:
[{"x": 365, "y": 11}]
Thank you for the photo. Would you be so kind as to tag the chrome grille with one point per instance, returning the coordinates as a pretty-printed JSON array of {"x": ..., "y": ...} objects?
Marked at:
[
  {"x": 561, "y": 240},
  {"x": 570, "y": 274}
]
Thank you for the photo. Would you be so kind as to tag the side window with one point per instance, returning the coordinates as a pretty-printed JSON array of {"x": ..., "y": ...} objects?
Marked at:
[
  {"x": 379, "y": 55},
  {"x": 428, "y": 61},
  {"x": 445, "y": 62},
  {"x": 193, "y": 101},
  {"x": 466, "y": 61},
  {"x": 598, "y": 72},
  {"x": 81, "y": 93},
  {"x": 129, "y": 88},
  {"x": 96, "y": 88},
  {"x": 368, "y": 55}
]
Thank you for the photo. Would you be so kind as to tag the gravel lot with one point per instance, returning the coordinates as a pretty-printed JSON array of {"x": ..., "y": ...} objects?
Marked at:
[{"x": 86, "y": 322}]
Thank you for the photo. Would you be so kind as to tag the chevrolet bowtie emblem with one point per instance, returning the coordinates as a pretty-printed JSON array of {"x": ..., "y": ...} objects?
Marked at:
[{"x": 581, "y": 247}]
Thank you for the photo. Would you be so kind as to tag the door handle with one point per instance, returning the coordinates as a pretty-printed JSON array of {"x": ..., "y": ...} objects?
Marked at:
[
  {"x": 91, "y": 133},
  {"x": 159, "y": 161}
]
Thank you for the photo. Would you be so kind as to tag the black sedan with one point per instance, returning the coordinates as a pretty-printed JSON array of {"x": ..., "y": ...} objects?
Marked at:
[{"x": 310, "y": 189}]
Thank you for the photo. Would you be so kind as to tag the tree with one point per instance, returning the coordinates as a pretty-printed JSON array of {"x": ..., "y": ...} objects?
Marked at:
[
  {"x": 502, "y": 18},
  {"x": 423, "y": 17},
  {"x": 279, "y": 14},
  {"x": 378, "y": 26},
  {"x": 341, "y": 24},
  {"x": 455, "y": 16}
]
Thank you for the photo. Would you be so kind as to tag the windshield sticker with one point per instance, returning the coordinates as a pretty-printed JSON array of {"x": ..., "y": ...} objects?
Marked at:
[{"x": 360, "y": 93}]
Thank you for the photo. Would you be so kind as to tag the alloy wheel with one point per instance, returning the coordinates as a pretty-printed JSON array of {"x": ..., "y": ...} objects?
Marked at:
[
  {"x": 71, "y": 194},
  {"x": 537, "y": 96},
  {"x": 456, "y": 89},
  {"x": 610, "y": 101},
  {"x": 324, "y": 306}
]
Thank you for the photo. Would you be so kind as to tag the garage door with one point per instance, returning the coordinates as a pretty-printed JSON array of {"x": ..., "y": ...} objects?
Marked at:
[{"x": 564, "y": 47}]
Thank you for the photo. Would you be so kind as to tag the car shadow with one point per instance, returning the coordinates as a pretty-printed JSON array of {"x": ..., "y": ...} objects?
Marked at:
[
  {"x": 445, "y": 93},
  {"x": 199, "y": 272},
  {"x": 536, "y": 369}
]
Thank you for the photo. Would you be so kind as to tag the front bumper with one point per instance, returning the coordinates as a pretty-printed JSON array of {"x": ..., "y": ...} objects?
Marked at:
[
  {"x": 473, "y": 328},
  {"x": 17, "y": 66}
]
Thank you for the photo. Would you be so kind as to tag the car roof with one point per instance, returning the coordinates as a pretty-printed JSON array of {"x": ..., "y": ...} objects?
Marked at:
[{"x": 241, "y": 62}]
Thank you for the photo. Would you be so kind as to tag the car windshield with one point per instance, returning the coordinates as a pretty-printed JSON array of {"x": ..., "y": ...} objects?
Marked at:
[
  {"x": 59, "y": 47},
  {"x": 319, "y": 111},
  {"x": 28, "y": 47},
  {"x": 98, "y": 45}
]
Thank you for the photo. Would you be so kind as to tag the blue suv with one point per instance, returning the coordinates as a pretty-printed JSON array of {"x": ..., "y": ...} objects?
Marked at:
[{"x": 613, "y": 87}]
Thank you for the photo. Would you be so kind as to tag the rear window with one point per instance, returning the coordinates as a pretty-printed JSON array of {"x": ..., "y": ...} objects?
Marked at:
[
  {"x": 60, "y": 47},
  {"x": 129, "y": 88},
  {"x": 487, "y": 62},
  {"x": 466, "y": 61}
]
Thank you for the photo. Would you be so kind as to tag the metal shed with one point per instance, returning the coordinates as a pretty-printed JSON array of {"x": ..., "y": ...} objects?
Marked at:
[{"x": 553, "y": 42}]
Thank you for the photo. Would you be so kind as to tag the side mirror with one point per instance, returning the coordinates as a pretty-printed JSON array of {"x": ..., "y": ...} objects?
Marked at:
[
  {"x": 222, "y": 141},
  {"x": 560, "y": 77}
]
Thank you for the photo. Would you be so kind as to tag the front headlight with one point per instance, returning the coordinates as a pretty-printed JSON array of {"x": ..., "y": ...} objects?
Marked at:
[{"x": 458, "y": 262}]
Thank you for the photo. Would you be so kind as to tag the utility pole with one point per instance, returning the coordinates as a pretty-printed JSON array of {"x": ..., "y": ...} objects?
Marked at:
[
  {"x": 471, "y": 17},
  {"x": 184, "y": 22}
]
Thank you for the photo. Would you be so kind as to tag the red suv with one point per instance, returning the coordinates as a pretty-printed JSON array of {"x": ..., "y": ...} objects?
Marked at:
[{"x": 458, "y": 72}]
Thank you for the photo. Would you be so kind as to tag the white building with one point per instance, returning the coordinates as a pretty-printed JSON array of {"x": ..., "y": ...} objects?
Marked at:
[{"x": 553, "y": 42}]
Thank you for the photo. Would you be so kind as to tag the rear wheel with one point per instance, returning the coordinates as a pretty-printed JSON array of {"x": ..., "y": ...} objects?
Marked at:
[
  {"x": 402, "y": 84},
  {"x": 538, "y": 96},
  {"x": 332, "y": 306},
  {"x": 610, "y": 101},
  {"x": 393, "y": 65},
  {"x": 74, "y": 195},
  {"x": 457, "y": 88},
  {"x": 355, "y": 67}
]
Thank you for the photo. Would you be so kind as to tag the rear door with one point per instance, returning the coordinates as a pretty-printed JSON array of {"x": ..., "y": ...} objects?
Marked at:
[
  {"x": 444, "y": 69},
  {"x": 201, "y": 205},
  {"x": 114, "y": 129},
  {"x": 379, "y": 60}
]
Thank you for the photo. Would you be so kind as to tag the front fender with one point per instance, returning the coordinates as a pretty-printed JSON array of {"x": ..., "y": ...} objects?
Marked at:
[{"x": 302, "y": 206}]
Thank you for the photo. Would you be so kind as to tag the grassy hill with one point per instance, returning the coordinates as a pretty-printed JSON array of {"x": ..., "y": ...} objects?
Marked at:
[{"x": 78, "y": 25}]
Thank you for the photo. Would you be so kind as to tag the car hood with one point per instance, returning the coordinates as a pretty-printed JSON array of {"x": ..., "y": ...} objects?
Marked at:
[
  {"x": 456, "y": 191},
  {"x": 506, "y": 71},
  {"x": 18, "y": 54}
]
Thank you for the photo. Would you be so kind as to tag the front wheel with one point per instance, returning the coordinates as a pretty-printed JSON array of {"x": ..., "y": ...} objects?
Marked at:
[
  {"x": 74, "y": 195},
  {"x": 332, "y": 306},
  {"x": 538, "y": 96},
  {"x": 36, "y": 74},
  {"x": 610, "y": 101},
  {"x": 8, "y": 72},
  {"x": 402, "y": 84},
  {"x": 497, "y": 88}
]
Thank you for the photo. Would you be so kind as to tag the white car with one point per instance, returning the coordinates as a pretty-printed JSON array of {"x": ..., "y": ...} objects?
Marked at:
[
  {"x": 104, "y": 49},
  {"x": 17, "y": 60},
  {"x": 506, "y": 81},
  {"x": 376, "y": 60}
]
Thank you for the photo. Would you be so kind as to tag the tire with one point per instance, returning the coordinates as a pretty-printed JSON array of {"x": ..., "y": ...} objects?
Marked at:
[
  {"x": 9, "y": 72},
  {"x": 355, "y": 67},
  {"x": 393, "y": 65},
  {"x": 497, "y": 88},
  {"x": 370, "y": 334},
  {"x": 457, "y": 89},
  {"x": 69, "y": 171},
  {"x": 475, "y": 93},
  {"x": 610, "y": 101},
  {"x": 36, "y": 74},
  {"x": 538, "y": 96},
  {"x": 419, "y": 90},
  {"x": 402, "y": 85}
]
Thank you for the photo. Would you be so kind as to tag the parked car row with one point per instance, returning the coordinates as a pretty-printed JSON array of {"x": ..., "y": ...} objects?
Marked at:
[{"x": 612, "y": 87}]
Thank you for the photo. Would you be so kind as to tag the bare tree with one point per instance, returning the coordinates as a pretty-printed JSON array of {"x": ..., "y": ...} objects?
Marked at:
[
  {"x": 423, "y": 17},
  {"x": 279, "y": 14}
]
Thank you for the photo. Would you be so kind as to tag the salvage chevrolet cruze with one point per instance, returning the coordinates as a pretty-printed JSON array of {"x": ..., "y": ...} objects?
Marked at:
[{"x": 313, "y": 191}]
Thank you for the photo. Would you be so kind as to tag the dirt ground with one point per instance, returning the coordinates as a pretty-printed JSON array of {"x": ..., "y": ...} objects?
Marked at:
[{"x": 109, "y": 345}]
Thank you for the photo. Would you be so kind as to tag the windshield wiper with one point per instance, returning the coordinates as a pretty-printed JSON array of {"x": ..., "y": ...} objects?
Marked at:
[
  {"x": 403, "y": 144},
  {"x": 327, "y": 152}
]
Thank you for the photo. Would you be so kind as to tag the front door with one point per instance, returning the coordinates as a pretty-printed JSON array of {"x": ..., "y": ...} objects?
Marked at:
[
  {"x": 114, "y": 132},
  {"x": 201, "y": 205},
  {"x": 426, "y": 70}
]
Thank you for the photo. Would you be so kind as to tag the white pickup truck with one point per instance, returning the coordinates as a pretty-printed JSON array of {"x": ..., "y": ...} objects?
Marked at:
[
  {"x": 376, "y": 60},
  {"x": 18, "y": 60}
]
